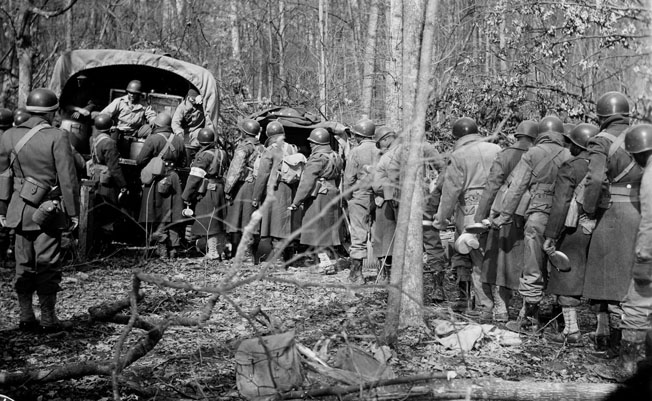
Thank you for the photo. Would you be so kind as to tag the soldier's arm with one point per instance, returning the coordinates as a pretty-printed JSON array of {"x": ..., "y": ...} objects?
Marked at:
[
  {"x": 112, "y": 108},
  {"x": 380, "y": 177},
  {"x": 309, "y": 178},
  {"x": 598, "y": 150},
  {"x": 433, "y": 199},
  {"x": 495, "y": 180},
  {"x": 350, "y": 175},
  {"x": 182, "y": 157},
  {"x": 522, "y": 176},
  {"x": 451, "y": 190},
  {"x": 565, "y": 185},
  {"x": 177, "y": 119},
  {"x": 198, "y": 170},
  {"x": 111, "y": 156},
  {"x": 66, "y": 174},
  {"x": 236, "y": 167},
  {"x": 5, "y": 151},
  {"x": 264, "y": 172},
  {"x": 643, "y": 249},
  {"x": 147, "y": 152}
]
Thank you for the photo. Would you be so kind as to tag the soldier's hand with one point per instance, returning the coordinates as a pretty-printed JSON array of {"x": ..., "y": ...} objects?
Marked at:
[
  {"x": 84, "y": 112},
  {"x": 394, "y": 203},
  {"x": 500, "y": 221},
  {"x": 292, "y": 207},
  {"x": 3, "y": 221},
  {"x": 75, "y": 115},
  {"x": 549, "y": 246},
  {"x": 379, "y": 200},
  {"x": 254, "y": 204},
  {"x": 74, "y": 223}
]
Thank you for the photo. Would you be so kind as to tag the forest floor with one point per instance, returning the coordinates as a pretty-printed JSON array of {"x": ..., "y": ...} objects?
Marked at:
[{"x": 198, "y": 362}]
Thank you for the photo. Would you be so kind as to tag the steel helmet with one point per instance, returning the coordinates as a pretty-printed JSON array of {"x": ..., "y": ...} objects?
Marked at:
[
  {"x": 639, "y": 139},
  {"x": 206, "y": 136},
  {"x": 42, "y": 101},
  {"x": 382, "y": 132},
  {"x": 464, "y": 126},
  {"x": 364, "y": 127},
  {"x": 527, "y": 128},
  {"x": 551, "y": 124},
  {"x": 320, "y": 136},
  {"x": 612, "y": 103},
  {"x": 20, "y": 116},
  {"x": 163, "y": 120},
  {"x": 581, "y": 134},
  {"x": 103, "y": 122},
  {"x": 6, "y": 118},
  {"x": 568, "y": 128},
  {"x": 249, "y": 127},
  {"x": 135, "y": 86},
  {"x": 288, "y": 112},
  {"x": 274, "y": 128}
]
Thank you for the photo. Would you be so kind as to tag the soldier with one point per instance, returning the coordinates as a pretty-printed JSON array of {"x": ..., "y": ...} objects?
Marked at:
[
  {"x": 464, "y": 180},
  {"x": 610, "y": 197},
  {"x": 564, "y": 231},
  {"x": 206, "y": 183},
  {"x": 6, "y": 119},
  {"x": 188, "y": 119},
  {"x": 44, "y": 176},
  {"x": 357, "y": 191},
  {"x": 503, "y": 258},
  {"x": 278, "y": 222},
  {"x": 636, "y": 342},
  {"x": 108, "y": 177},
  {"x": 535, "y": 173},
  {"x": 129, "y": 112},
  {"x": 317, "y": 192},
  {"x": 239, "y": 186},
  {"x": 161, "y": 204},
  {"x": 385, "y": 213}
]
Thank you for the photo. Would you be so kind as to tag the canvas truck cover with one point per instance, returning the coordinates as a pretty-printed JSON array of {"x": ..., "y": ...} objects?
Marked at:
[{"x": 77, "y": 61}]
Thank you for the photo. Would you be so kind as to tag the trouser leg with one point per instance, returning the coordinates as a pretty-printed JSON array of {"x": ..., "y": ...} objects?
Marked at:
[
  {"x": 359, "y": 219},
  {"x": 637, "y": 307},
  {"x": 534, "y": 275}
]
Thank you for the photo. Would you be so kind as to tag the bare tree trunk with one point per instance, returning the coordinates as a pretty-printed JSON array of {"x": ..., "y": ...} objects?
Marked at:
[
  {"x": 405, "y": 304},
  {"x": 369, "y": 59},
  {"x": 235, "y": 33},
  {"x": 69, "y": 30},
  {"x": 270, "y": 51},
  {"x": 323, "y": 34},
  {"x": 354, "y": 16},
  {"x": 281, "y": 48},
  {"x": 393, "y": 111}
]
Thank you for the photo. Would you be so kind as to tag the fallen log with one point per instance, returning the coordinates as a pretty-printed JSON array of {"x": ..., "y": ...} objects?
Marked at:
[{"x": 104, "y": 311}]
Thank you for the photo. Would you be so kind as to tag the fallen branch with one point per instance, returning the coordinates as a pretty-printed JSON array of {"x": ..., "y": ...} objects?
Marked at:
[
  {"x": 66, "y": 372},
  {"x": 105, "y": 311}
]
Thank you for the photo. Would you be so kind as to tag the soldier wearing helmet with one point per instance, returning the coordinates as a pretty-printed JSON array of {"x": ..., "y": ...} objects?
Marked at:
[
  {"x": 188, "y": 119},
  {"x": 611, "y": 200},
  {"x": 636, "y": 342},
  {"x": 130, "y": 112},
  {"x": 385, "y": 216},
  {"x": 357, "y": 191},
  {"x": 463, "y": 183},
  {"x": 535, "y": 174},
  {"x": 503, "y": 258},
  {"x": 564, "y": 232},
  {"x": 161, "y": 203},
  {"x": 317, "y": 192},
  {"x": 239, "y": 183},
  {"x": 109, "y": 179},
  {"x": 45, "y": 160},
  {"x": 278, "y": 222},
  {"x": 78, "y": 104},
  {"x": 205, "y": 190}
]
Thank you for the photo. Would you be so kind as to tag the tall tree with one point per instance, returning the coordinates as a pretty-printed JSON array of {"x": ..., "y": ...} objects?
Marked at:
[
  {"x": 394, "y": 65},
  {"x": 370, "y": 59},
  {"x": 323, "y": 35}
]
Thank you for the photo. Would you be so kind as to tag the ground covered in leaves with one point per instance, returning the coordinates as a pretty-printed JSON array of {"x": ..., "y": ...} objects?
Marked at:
[{"x": 198, "y": 363}]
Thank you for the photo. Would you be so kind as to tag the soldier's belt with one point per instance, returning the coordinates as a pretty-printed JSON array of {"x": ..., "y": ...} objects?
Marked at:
[{"x": 621, "y": 193}]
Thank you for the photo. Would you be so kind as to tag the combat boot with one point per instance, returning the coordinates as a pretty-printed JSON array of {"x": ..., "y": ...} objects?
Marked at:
[
  {"x": 28, "y": 320},
  {"x": 49, "y": 321},
  {"x": 527, "y": 320},
  {"x": 211, "y": 244},
  {"x": 438, "y": 294},
  {"x": 463, "y": 296},
  {"x": 632, "y": 350},
  {"x": 355, "y": 276}
]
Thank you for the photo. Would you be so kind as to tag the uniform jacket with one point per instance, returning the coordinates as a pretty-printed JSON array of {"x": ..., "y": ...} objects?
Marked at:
[
  {"x": 154, "y": 144},
  {"x": 202, "y": 168},
  {"x": 382, "y": 184},
  {"x": 106, "y": 153},
  {"x": 47, "y": 157},
  {"x": 569, "y": 176},
  {"x": 270, "y": 162},
  {"x": 129, "y": 116},
  {"x": 603, "y": 169},
  {"x": 541, "y": 182},
  {"x": 467, "y": 170},
  {"x": 322, "y": 163},
  {"x": 242, "y": 164},
  {"x": 357, "y": 173},
  {"x": 643, "y": 250},
  {"x": 188, "y": 120},
  {"x": 502, "y": 166}
]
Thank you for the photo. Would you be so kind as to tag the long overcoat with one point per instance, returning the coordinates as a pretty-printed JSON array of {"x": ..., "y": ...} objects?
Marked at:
[{"x": 239, "y": 183}]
